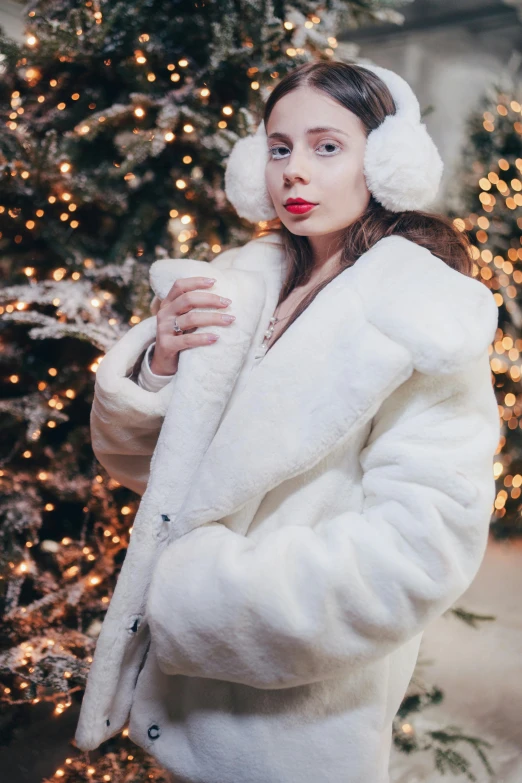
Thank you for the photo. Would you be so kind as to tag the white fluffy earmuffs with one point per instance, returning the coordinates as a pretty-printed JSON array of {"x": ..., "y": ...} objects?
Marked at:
[{"x": 402, "y": 165}]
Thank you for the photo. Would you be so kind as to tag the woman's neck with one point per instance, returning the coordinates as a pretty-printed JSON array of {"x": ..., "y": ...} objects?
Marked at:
[{"x": 326, "y": 253}]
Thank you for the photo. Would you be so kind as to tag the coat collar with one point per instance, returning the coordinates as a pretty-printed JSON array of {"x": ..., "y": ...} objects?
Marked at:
[{"x": 397, "y": 310}]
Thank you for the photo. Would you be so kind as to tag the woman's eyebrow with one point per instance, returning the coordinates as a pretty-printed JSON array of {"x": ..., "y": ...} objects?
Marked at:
[{"x": 322, "y": 129}]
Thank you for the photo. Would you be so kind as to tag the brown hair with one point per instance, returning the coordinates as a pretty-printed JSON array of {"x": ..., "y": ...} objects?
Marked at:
[{"x": 367, "y": 96}]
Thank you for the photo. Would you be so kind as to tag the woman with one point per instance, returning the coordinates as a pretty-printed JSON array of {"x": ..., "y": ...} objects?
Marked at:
[{"x": 317, "y": 484}]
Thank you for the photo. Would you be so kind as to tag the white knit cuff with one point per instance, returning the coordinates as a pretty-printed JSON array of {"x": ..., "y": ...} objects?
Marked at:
[{"x": 149, "y": 380}]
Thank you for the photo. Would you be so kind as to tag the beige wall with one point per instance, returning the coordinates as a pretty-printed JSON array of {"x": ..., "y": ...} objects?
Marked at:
[{"x": 11, "y": 19}]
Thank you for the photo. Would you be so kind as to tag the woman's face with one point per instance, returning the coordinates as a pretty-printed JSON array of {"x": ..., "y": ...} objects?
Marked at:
[{"x": 324, "y": 167}]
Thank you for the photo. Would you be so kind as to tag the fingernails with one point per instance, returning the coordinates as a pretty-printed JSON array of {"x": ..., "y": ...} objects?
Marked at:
[
  {"x": 212, "y": 338},
  {"x": 228, "y": 318},
  {"x": 224, "y": 300},
  {"x": 209, "y": 280}
]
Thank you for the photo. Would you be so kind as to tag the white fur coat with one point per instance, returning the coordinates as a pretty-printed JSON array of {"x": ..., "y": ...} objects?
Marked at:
[{"x": 302, "y": 521}]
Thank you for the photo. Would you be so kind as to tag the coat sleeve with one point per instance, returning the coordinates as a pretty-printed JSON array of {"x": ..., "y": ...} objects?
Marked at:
[
  {"x": 146, "y": 378},
  {"x": 125, "y": 418},
  {"x": 309, "y": 603}
]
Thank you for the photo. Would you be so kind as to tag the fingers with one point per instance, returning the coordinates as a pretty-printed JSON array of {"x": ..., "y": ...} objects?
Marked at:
[
  {"x": 190, "y": 299},
  {"x": 184, "y": 284},
  {"x": 185, "y": 295},
  {"x": 195, "y": 318}
]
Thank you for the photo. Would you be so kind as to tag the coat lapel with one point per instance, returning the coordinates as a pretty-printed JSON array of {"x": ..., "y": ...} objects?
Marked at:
[
  {"x": 211, "y": 377},
  {"x": 205, "y": 381},
  {"x": 323, "y": 378}
]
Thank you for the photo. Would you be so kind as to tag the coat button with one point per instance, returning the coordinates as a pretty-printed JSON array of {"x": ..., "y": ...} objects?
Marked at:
[
  {"x": 108, "y": 722},
  {"x": 164, "y": 529},
  {"x": 134, "y": 621},
  {"x": 154, "y": 731}
]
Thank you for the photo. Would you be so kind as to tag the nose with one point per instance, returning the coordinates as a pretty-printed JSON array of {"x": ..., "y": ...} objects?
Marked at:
[{"x": 296, "y": 168}]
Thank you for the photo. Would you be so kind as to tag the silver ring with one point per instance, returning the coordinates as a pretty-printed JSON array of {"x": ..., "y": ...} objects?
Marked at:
[{"x": 177, "y": 327}]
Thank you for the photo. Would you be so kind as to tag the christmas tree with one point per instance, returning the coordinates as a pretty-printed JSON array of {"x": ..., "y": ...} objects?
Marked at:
[
  {"x": 486, "y": 202},
  {"x": 117, "y": 120}
]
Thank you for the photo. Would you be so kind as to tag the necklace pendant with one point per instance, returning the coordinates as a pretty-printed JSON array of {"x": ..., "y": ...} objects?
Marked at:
[{"x": 267, "y": 335}]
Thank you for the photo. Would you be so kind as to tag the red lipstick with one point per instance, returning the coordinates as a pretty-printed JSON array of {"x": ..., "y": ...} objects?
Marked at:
[{"x": 298, "y": 205}]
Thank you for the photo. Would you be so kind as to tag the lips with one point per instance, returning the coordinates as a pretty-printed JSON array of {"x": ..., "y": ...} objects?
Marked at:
[
  {"x": 299, "y": 207},
  {"x": 298, "y": 201}
]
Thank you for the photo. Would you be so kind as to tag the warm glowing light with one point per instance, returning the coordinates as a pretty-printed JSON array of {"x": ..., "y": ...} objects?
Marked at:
[{"x": 96, "y": 363}]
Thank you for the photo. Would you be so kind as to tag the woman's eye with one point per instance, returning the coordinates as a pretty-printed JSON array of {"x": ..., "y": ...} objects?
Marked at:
[
  {"x": 272, "y": 150},
  {"x": 324, "y": 144},
  {"x": 329, "y": 144}
]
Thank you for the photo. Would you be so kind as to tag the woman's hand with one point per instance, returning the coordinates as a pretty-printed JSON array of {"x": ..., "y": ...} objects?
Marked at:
[{"x": 178, "y": 304}]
